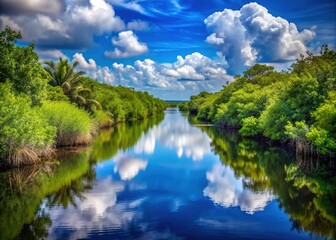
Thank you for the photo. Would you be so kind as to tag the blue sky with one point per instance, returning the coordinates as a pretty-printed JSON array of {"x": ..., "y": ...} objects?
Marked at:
[{"x": 172, "y": 48}]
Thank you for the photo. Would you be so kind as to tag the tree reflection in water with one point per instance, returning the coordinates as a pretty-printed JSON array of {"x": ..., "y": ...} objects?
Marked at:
[
  {"x": 307, "y": 197},
  {"x": 249, "y": 175}
]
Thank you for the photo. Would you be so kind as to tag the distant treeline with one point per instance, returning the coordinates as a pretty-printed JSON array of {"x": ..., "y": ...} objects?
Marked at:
[
  {"x": 172, "y": 104},
  {"x": 48, "y": 104},
  {"x": 298, "y": 105}
]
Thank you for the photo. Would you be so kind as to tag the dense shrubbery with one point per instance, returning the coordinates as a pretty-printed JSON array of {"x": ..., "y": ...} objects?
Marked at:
[
  {"x": 74, "y": 126},
  {"x": 24, "y": 132},
  {"x": 123, "y": 103},
  {"x": 55, "y": 105},
  {"x": 298, "y": 104}
]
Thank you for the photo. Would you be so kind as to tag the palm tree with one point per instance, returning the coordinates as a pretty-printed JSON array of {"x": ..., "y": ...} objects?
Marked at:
[{"x": 63, "y": 74}]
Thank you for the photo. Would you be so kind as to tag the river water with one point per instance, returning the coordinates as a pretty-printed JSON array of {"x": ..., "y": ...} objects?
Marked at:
[{"x": 166, "y": 178}]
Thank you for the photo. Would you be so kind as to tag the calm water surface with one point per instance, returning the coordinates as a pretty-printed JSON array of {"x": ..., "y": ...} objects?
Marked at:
[{"x": 165, "y": 178}]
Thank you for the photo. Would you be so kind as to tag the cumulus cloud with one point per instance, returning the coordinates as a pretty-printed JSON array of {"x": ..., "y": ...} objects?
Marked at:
[
  {"x": 82, "y": 63},
  {"x": 252, "y": 34},
  {"x": 213, "y": 39},
  {"x": 72, "y": 28},
  {"x": 196, "y": 67},
  {"x": 225, "y": 189},
  {"x": 126, "y": 45},
  {"x": 193, "y": 73},
  {"x": 104, "y": 74}
]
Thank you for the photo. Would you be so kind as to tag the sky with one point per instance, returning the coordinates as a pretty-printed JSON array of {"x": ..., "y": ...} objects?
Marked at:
[{"x": 172, "y": 48}]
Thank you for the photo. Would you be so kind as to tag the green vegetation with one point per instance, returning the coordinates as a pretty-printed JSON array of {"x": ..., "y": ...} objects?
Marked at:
[
  {"x": 49, "y": 104},
  {"x": 63, "y": 74},
  {"x": 124, "y": 103},
  {"x": 24, "y": 189},
  {"x": 73, "y": 125},
  {"x": 24, "y": 132},
  {"x": 304, "y": 189},
  {"x": 294, "y": 106}
]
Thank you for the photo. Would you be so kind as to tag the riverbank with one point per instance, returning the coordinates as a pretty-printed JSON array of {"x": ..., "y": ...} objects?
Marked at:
[
  {"x": 296, "y": 106},
  {"x": 46, "y": 105},
  {"x": 165, "y": 171}
]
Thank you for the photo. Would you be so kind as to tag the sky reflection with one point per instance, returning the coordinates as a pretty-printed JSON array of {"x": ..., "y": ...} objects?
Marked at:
[
  {"x": 185, "y": 139},
  {"x": 169, "y": 185},
  {"x": 227, "y": 190}
]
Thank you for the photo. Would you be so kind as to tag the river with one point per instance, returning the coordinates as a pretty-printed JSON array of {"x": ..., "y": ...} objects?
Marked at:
[{"x": 167, "y": 178}]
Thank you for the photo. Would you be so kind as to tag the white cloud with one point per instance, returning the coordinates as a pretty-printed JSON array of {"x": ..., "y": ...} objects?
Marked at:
[
  {"x": 212, "y": 39},
  {"x": 137, "y": 25},
  {"x": 225, "y": 189},
  {"x": 132, "y": 5},
  {"x": 208, "y": 74},
  {"x": 72, "y": 28},
  {"x": 82, "y": 63},
  {"x": 126, "y": 45},
  {"x": 190, "y": 74},
  {"x": 99, "y": 15},
  {"x": 252, "y": 34},
  {"x": 104, "y": 74},
  {"x": 197, "y": 67}
]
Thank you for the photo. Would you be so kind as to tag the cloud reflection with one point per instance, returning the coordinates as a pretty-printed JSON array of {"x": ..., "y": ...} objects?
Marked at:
[
  {"x": 225, "y": 189},
  {"x": 128, "y": 167},
  {"x": 186, "y": 139},
  {"x": 100, "y": 211}
]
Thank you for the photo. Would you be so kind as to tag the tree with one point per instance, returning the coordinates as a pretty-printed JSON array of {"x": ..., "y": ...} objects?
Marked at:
[
  {"x": 21, "y": 67},
  {"x": 63, "y": 74}
]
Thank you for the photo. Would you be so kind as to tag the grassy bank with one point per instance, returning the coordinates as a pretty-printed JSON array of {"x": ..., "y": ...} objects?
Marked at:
[{"x": 44, "y": 105}]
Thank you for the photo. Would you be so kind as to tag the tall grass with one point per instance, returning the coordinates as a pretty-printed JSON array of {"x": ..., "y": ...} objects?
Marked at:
[{"x": 74, "y": 126}]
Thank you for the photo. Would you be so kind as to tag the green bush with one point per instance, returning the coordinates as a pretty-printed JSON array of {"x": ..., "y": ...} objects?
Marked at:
[
  {"x": 74, "y": 126},
  {"x": 24, "y": 133},
  {"x": 21, "y": 66},
  {"x": 250, "y": 127},
  {"x": 102, "y": 119}
]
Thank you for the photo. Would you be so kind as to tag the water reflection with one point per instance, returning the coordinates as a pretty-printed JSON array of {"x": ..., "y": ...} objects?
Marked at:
[
  {"x": 176, "y": 133},
  {"x": 146, "y": 181},
  {"x": 227, "y": 190},
  {"x": 128, "y": 166}
]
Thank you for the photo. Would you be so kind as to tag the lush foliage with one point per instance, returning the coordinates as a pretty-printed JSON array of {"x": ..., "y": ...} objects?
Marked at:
[
  {"x": 124, "y": 103},
  {"x": 298, "y": 104},
  {"x": 63, "y": 74},
  {"x": 304, "y": 189},
  {"x": 21, "y": 66},
  {"x": 55, "y": 105},
  {"x": 24, "y": 132}
]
